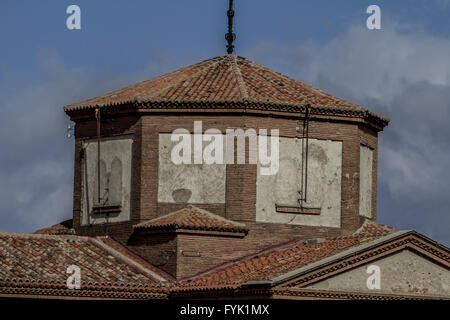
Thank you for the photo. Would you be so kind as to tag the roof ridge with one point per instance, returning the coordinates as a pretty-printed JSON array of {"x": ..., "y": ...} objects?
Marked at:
[
  {"x": 151, "y": 274},
  {"x": 119, "y": 90},
  {"x": 190, "y": 208},
  {"x": 236, "y": 71},
  {"x": 141, "y": 260},
  {"x": 183, "y": 78},
  {"x": 43, "y": 236},
  {"x": 216, "y": 216},
  {"x": 303, "y": 84}
]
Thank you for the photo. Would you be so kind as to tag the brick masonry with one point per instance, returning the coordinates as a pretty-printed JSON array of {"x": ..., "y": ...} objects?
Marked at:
[{"x": 240, "y": 185}]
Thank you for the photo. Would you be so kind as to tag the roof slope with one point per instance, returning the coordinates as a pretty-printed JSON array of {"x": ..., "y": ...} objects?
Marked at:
[
  {"x": 280, "y": 260},
  {"x": 193, "y": 218},
  {"x": 227, "y": 78},
  {"x": 35, "y": 263}
]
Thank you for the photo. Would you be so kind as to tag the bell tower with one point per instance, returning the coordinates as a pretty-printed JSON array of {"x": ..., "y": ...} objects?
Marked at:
[
  {"x": 300, "y": 163},
  {"x": 181, "y": 214}
]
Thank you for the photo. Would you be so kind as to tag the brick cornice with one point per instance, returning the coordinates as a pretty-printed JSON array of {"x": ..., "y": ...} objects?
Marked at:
[
  {"x": 57, "y": 290},
  {"x": 296, "y": 293},
  {"x": 193, "y": 231},
  {"x": 240, "y": 107}
]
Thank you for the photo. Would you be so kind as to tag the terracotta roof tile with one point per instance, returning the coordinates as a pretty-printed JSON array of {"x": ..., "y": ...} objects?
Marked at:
[
  {"x": 225, "y": 79},
  {"x": 195, "y": 219},
  {"x": 64, "y": 227},
  {"x": 134, "y": 257},
  {"x": 39, "y": 262},
  {"x": 373, "y": 229},
  {"x": 279, "y": 260}
]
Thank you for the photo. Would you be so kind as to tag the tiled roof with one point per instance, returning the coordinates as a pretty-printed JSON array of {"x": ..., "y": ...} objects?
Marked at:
[
  {"x": 374, "y": 229},
  {"x": 193, "y": 218},
  {"x": 280, "y": 260},
  {"x": 227, "y": 79},
  {"x": 115, "y": 245},
  {"x": 64, "y": 227},
  {"x": 35, "y": 263}
]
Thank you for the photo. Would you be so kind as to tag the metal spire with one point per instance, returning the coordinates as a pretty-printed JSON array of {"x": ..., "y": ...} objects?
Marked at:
[{"x": 230, "y": 36}]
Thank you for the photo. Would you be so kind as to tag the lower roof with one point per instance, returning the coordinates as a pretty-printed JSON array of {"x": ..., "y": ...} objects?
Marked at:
[
  {"x": 192, "y": 218},
  {"x": 36, "y": 265},
  {"x": 281, "y": 260}
]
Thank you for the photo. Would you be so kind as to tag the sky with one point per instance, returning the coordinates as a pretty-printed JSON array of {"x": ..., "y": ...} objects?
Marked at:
[{"x": 401, "y": 71}]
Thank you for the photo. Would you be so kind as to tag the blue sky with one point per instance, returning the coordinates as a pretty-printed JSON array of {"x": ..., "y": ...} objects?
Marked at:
[{"x": 401, "y": 71}]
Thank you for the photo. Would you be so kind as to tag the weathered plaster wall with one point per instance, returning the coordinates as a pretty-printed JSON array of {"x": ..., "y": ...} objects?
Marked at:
[
  {"x": 189, "y": 183},
  {"x": 402, "y": 273},
  {"x": 115, "y": 183},
  {"x": 365, "y": 181},
  {"x": 324, "y": 184},
  {"x": 241, "y": 179}
]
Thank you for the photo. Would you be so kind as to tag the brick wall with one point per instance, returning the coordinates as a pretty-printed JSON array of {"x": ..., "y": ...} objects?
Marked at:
[
  {"x": 159, "y": 249},
  {"x": 216, "y": 249},
  {"x": 241, "y": 179},
  {"x": 240, "y": 186},
  {"x": 369, "y": 138},
  {"x": 111, "y": 126}
]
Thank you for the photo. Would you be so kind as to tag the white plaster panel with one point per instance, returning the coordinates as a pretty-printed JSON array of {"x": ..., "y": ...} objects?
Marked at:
[
  {"x": 190, "y": 183},
  {"x": 365, "y": 181},
  {"x": 324, "y": 184},
  {"x": 112, "y": 150}
]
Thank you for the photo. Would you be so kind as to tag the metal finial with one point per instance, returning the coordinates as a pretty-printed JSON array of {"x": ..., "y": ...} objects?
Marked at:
[{"x": 230, "y": 36}]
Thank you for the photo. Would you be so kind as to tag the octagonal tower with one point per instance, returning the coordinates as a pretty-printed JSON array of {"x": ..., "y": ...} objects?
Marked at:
[{"x": 188, "y": 217}]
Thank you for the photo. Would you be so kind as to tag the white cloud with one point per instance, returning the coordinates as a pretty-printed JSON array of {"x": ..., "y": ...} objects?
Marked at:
[
  {"x": 37, "y": 159},
  {"x": 400, "y": 72}
]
